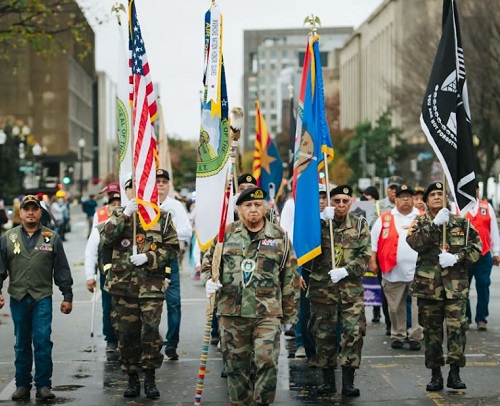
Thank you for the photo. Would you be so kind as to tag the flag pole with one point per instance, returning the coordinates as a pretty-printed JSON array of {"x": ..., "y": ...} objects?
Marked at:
[
  {"x": 444, "y": 205},
  {"x": 235, "y": 129}
]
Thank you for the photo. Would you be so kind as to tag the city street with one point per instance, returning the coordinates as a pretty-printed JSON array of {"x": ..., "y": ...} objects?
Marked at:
[{"x": 389, "y": 377}]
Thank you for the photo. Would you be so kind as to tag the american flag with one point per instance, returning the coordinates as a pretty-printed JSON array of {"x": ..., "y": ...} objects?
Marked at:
[{"x": 144, "y": 111}]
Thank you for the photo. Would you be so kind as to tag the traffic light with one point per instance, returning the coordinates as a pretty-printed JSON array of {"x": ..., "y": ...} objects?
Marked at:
[{"x": 68, "y": 175}]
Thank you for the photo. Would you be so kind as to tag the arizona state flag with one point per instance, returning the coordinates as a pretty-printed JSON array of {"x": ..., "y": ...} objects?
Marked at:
[
  {"x": 445, "y": 118},
  {"x": 267, "y": 164}
]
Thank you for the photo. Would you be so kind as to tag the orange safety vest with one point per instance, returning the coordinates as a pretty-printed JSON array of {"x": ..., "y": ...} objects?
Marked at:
[
  {"x": 387, "y": 248},
  {"x": 482, "y": 223},
  {"x": 102, "y": 215}
]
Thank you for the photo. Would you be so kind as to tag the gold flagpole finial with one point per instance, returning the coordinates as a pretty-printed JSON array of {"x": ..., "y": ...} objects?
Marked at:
[
  {"x": 314, "y": 22},
  {"x": 116, "y": 9}
]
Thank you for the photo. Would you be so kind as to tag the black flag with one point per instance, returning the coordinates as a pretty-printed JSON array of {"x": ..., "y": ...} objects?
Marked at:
[{"x": 445, "y": 117}]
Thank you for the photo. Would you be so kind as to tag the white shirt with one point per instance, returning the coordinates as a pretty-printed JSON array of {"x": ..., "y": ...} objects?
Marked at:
[
  {"x": 406, "y": 258},
  {"x": 494, "y": 236},
  {"x": 91, "y": 251},
  {"x": 179, "y": 217},
  {"x": 287, "y": 217}
]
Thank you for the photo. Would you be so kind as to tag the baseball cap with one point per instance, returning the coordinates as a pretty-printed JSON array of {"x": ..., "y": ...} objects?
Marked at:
[
  {"x": 395, "y": 181},
  {"x": 30, "y": 199},
  {"x": 162, "y": 173}
]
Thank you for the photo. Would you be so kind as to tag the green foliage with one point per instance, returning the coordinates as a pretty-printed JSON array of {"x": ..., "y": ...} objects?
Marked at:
[
  {"x": 183, "y": 159},
  {"x": 44, "y": 25},
  {"x": 384, "y": 147}
]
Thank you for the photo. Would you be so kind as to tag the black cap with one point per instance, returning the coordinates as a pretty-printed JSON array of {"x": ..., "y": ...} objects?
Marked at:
[
  {"x": 372, "y": 191},
  {"x": 30, "y": 199},
  {"x": 114, "y": 196},
  {"x": 253, "y": 193},
  {"x": 247, "y": 178},
  {"x": 162, "y": 173},
  {"x": 395, "y": 181},
  {"x": 419, "y": 190},
  {"x": 341, "y": 190},
  {"x": 431, "y": 188},
  {"x": 128, "y": 184},
  {"x": 404, "y": 189}
]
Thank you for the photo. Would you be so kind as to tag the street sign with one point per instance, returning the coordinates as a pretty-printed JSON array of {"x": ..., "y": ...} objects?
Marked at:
[{"x": 27, "y": 169}]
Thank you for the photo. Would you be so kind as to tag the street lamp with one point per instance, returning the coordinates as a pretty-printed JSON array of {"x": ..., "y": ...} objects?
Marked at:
[
  {"x": 81, "y": 146},
  {"x": 37, "y": 151}
]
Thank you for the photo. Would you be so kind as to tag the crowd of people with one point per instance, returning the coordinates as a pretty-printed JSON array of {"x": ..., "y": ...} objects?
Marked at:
[{"x": 423, "y": 253}]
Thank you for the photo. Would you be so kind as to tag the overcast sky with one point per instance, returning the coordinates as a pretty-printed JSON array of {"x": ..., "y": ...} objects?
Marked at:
[{"x": 173, "y": 35}]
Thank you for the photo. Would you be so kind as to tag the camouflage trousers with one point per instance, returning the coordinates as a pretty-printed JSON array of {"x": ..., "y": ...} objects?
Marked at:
[
  {"x": 431, "y": 316},
  {"x": 136, "y": 322},
  {"x": 246, "y": 343},
  {"x": 323, "y": 326}
]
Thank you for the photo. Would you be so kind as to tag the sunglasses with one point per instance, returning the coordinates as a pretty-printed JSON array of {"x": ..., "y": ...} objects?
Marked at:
[{"x": 345, "y": 201}]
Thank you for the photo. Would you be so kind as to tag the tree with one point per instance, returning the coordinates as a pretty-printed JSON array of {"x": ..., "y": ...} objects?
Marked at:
[
  {"x": 183, "y": 158},
  {"x": 480, "y": 30},
  {"x": 380, "y": 146},
  {"x": 43, "y": 25}
]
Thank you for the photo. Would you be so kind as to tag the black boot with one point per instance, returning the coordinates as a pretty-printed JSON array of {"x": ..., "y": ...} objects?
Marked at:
[
  {"x": 436, "y": 382},
  {"x": 376, "y": 314},
  {"x": 134, "y": 386},
  {"x": 454, "y": 380},
  {"x": 150, "y": 388},
  {"x": 328, "y": 386},
  {"x": 348, "y": 388}
]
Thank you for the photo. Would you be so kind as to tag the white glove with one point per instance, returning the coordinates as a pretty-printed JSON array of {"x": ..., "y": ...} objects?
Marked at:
[
  {"x": 139, "y": 259},
  {"x": 442, "y": 217},
  {"x": 131, "y": 207},
  {"x": 328, "y": 213},
  {"x": 211, "y": 287},
  {"x": 446, "y": 259},
  {"x": 338, "y": 274}
]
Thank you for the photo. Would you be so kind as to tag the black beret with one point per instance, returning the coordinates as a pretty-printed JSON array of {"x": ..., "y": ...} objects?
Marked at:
[
  {"x": 341, "y": 190},
  {"x": 162, "y": 173},
  {"x": 404, "y": 189},
  {"x": 431, "y": 188},
  {"x": 247, "y": 178},
  {"x": 253, "y": 193}
]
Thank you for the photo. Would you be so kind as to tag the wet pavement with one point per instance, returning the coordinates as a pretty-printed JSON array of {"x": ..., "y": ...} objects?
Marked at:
[{"x": 82, "y": 376}]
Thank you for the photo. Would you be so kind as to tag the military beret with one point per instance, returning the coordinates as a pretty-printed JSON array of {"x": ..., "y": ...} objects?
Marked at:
[
  {"x": 431, "y": 188},
  {"x": 372, "y": 191},
  {"x": 253, "y": 193},
  {"x": 341, "y": 190},
  {"x": 247, "y": 178},
  {"x": 162, "y": 173},
  {"x": 404, "y": 189},
  {"x": 114, "y": 196}
]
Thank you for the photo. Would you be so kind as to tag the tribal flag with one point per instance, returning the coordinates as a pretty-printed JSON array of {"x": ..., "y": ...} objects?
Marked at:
[
  {"x": 267, "y": 164},
  {"x": 312, "y": 142},
  {"x": 213, "y": 149},
  {"x": 144, "y": 111},
  {"x": 123, "y": 115},
  {"x": 445, "y": 118}
]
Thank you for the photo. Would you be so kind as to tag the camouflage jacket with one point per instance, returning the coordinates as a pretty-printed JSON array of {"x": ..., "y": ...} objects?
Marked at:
[
  {"x": 431, "y": 281},
  {"x": 160, "y": 245},
  {"x": 272, "y": 291},
  {"x": 352, "y": 252}
]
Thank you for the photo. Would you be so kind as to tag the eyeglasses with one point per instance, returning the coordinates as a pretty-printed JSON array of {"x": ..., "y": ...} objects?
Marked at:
[{"x": 345, "y": 201}]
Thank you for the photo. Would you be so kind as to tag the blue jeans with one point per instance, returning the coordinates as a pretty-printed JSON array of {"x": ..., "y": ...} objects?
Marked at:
[
  {"x": 173, "y": 297},
  {"x": 481, "y": 270},
  {"x": 32, "y": 329},
  {"x": 303, "y": 336},
  {"x": 107, "y": 326}
]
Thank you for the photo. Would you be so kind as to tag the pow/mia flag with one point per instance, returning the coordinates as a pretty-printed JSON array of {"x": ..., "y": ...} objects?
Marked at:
[{"x": 445, "y": 117}]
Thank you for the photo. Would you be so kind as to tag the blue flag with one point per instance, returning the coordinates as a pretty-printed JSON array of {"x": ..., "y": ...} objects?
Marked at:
[{"x": 312, "y": 142}]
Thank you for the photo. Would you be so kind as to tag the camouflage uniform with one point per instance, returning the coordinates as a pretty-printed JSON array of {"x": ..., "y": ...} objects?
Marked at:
[
  {"x": 138, "y": 292},
  {"x": 345, "y": 299},
  {"x": 442, "y": 293},
  {"x": 250, "y": 317}
]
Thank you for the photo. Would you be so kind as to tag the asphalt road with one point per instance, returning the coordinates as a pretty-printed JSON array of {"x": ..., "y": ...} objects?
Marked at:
[{"x": 389, "y": 377}]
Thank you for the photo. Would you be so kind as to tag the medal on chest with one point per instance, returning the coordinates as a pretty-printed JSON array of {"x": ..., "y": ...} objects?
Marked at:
[{"x": 248, "y": 266}]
